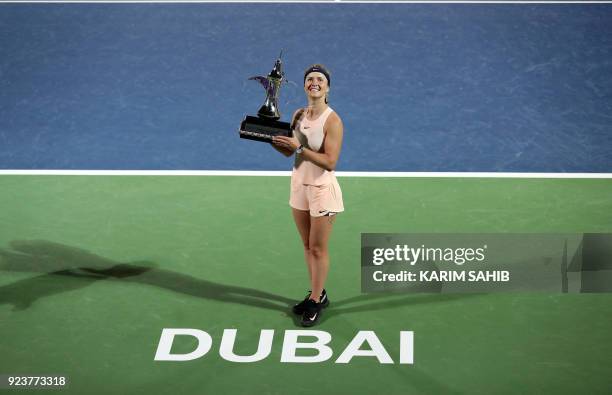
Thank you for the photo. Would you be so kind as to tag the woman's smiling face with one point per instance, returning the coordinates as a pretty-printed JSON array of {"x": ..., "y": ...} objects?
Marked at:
[{"x": 316, "y": 85}]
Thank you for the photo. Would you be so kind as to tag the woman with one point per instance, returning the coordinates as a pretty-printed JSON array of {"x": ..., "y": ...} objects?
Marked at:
[{"x": 315, "y": 194}]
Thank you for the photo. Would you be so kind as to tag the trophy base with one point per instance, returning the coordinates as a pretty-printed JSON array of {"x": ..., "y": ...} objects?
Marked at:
[{"x": 261, "y": 129}]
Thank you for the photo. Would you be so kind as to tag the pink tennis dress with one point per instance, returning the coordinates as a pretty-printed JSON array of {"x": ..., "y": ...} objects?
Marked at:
[{"x": 313, "y": 188}]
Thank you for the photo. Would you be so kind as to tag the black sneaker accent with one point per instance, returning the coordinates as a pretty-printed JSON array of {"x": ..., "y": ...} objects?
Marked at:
[
  {"x": 312, "y": 313},
  {"x": 324, "y": 301},
  {"x": 298, "y": 308}
]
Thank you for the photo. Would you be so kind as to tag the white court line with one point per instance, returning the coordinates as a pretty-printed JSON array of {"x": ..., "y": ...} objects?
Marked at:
[
  {"x": 253, "y": 173},
  {"x": 307, "y": 2}
]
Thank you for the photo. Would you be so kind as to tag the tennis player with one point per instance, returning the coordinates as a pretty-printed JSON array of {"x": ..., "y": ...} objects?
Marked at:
[{"x": 315, "y": 196}]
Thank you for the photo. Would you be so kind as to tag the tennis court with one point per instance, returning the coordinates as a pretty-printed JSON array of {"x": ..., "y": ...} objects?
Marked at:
[{"x": 94, "y": 267}]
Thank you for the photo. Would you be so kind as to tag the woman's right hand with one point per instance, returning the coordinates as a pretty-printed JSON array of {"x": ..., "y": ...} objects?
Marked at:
[{"x": 283, "y": 150}]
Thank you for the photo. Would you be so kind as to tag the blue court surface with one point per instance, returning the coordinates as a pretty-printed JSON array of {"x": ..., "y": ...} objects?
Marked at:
[{"x": 420, "y": 87}]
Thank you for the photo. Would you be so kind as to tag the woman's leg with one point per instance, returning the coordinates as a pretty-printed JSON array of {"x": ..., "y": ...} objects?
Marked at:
[
  {"x": 302, "y": 221},
  {"x": 320, "y": 230}
]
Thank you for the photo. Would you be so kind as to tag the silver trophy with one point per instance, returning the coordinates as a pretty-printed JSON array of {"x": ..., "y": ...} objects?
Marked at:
[{"x": 267, "y": 125}]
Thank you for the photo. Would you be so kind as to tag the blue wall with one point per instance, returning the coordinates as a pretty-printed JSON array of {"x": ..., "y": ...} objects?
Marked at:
[{"x": 430, "y": 87}]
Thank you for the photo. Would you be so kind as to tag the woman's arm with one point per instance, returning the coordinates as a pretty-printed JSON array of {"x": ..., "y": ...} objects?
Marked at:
[
  {"x": 332, "y": 144},
  {"x": 287, "y": 151}
]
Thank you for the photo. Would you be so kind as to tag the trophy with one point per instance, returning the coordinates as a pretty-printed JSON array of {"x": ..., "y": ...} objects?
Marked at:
[{"x": 266, "y": 124}]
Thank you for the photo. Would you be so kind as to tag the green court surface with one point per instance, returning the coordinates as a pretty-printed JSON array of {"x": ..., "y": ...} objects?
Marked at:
[{"x": 94, "y": 267}]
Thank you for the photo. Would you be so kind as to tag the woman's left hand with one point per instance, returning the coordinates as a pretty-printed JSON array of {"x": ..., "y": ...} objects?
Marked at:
[{"x": 291, "y": 143}]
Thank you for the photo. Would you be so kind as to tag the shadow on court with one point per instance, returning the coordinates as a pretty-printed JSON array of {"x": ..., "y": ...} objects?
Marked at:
[{"x": 67, "y": 268}]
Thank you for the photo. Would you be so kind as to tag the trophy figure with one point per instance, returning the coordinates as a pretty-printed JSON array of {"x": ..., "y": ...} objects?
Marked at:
[{"x": 267, "y": 125}]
